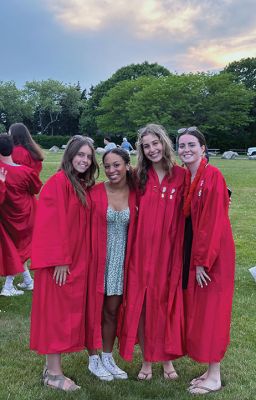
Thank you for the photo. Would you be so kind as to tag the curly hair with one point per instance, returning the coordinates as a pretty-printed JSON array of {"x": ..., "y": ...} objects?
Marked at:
[
  {"x": 143, "y": 163},
  {"x": 126, "y": 158}
]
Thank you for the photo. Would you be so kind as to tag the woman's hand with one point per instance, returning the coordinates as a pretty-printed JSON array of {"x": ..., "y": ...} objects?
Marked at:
[
  {"x": 202, "y": 276},
  {"x": 60, "y": 274},
  {"x": 3, "y": 174}
]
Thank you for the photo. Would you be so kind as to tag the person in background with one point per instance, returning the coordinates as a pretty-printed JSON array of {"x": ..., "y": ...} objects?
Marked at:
[
  {"x": 113, "y": 227},
  {"x": 26, "y": 151},
  {"x": 153, "y": 299},
  {"x": 10, "y": 263},
  {"x": 209, "y": 261},
  {"x": 126, "y": 145},
  {"x": 17, "y": 212},
  {"x": 108, "y": 144},
  {"x": 60, "y": 258}
]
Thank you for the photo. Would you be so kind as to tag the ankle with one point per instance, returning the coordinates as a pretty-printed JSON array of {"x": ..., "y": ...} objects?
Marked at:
[
  {"x": 54, "y": 371},
  {"x": 105, "y": 355}
]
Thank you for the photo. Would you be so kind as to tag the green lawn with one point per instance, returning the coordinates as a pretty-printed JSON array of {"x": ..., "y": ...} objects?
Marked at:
[{"x": 20, "y": 369}]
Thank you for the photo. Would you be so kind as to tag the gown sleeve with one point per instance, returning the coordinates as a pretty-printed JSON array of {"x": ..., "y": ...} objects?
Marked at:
[
  {"x": 51, "y": 241},
  {"x": 2, "y": 191},
  {"x": 213, "y": 216},
  {"x": 21, "y": 156},
  {"x": 35, "y": 183}
]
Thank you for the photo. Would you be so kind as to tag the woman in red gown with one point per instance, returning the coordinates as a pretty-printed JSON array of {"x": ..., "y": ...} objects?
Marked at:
[
  {"x": 153, "y": 301},
  {"x": 209, "y": 261},
  {"x": 60, "y": 256},
  {"x": 26, "y": 151},
  {"x": 18, "y": 209},
  {"x": 10, "y": 263}
]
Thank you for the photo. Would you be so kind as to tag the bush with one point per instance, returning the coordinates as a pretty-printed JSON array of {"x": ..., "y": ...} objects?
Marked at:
[
  {"x": 46, "y": 142},
  {"x": 2, "y": 128}
]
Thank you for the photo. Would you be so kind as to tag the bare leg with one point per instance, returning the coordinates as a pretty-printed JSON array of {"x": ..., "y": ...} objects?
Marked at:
[
  {"x": 92, "y": 352},
  {"x": 53, "y": 364},
  {"x": 211, "y": 381},
  {"x": 169, "y": 371},
  {"x": 27, "y": 278},
  {"x": 146, "y": 369},
  {"x": 109, "y": 325},
  {"x": 53, "y": 369}
]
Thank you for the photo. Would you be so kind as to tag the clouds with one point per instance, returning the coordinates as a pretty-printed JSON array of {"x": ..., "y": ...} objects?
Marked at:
[
  {"x": 145, "y": 18},
  {"x": 88, "y": 40},
  {"x": 204, "y": 34}
]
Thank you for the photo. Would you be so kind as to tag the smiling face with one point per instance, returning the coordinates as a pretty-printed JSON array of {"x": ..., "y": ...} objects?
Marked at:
[
  {"x": 115, "y": 168},
  {"x": 152, "y": 148},
  {"x": 83, "y": 159},
  {"x": 190, "y": 151}
]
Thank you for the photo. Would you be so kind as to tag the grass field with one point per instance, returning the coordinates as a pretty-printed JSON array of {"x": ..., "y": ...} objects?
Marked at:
[{"x": 20, "y": 369}]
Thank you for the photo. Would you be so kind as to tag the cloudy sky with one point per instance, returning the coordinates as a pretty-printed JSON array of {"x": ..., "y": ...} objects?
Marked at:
[{"x": 88, "y": 40}]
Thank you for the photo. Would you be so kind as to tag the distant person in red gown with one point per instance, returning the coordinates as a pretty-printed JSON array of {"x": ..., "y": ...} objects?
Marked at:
[
  {"x": 26, "y": 151},
  {"x": 60, "y": 257},
  {"x": 153, "y": 299},
  {"x": 209, "y": 261},
  {"x": 17, "y": 212},
  {"x": 10, "y": 263},
  {"x": 113, "y": 227}
]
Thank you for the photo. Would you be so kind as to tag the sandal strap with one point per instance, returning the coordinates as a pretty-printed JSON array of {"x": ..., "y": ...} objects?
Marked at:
[{"x": 60, "y": 382}]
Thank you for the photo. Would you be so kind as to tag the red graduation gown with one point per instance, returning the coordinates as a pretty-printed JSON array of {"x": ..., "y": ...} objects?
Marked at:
[
  {"x": 60, "y": 237},
  {"x": 10, "y": 263},
  {"x": 21, "y": 155},
  {"x": 155, "y": 272},
  {"x": 18, "y": 210},
  {"x": 98, "y": 260},
  {"x": 208, "y": 309}
]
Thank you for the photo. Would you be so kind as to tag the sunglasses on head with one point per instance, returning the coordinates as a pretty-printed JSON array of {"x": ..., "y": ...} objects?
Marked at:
[{"x": 190, "y": 129}]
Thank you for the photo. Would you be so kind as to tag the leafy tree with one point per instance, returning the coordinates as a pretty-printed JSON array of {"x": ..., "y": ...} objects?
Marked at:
[
  {"x": 56, "y": 106},
  {"x": 244, "y": 71},
  {"x": 214, "y": 103},
  {"x": 72, "y": 105},
  {"x": 173, "y": 102},
  {"x": 131, "y": 72},
  {"x": 227, "y": 112},
  {"x": 2, "y": 128},
  {"x": 113, "y": 115},
  {"x": 12, "y": 104}
]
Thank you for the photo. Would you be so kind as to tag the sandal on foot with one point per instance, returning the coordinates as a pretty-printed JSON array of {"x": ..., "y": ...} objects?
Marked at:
[
  {"x": 45, "y": 370},
  {"x": 60, "y": 382},
  {"x": 171, "y": 376},
  {"x": 144, "y": 376},
  {"x": 202, "y": 390},
  {"x": 198, "y": 379}
]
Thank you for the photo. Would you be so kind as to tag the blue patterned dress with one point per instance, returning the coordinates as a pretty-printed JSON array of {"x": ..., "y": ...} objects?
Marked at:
[{"x": 117, "y": 225}]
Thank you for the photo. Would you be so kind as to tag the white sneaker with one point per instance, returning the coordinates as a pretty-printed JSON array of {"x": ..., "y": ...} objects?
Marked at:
[
  {"x": 96, "y": 368},
  {"x": 26, "y": 286},
  {"x": 110, "y": 365},
  {"x": 11, "y": 292}
]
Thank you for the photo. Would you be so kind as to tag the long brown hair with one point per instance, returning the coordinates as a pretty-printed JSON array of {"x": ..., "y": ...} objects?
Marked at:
[
  {"x": 21, "y": 137},
  {"x": 143, "y": 164},
  {"x": 80, "y": 182}
]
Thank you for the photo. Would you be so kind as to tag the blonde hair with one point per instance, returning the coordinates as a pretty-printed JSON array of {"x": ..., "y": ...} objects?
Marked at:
[{"x": 143, "y": 163}]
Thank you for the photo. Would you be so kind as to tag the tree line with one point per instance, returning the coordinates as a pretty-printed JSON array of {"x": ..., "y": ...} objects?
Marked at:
[{"x": 222, "y": 105}]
